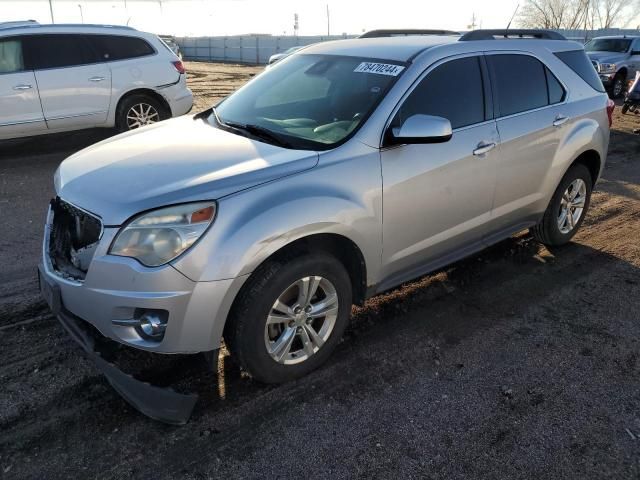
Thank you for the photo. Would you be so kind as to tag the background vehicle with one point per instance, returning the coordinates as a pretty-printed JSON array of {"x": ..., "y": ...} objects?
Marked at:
[
  {"x": 264, "y": 224},
  {"x": 279, "y": 56},
  {"x": 632, "y": 98},
  {"x": 170, "y": 41},
  {"x": 56, "y": 78},
  {"x": 616, "y": 60}
]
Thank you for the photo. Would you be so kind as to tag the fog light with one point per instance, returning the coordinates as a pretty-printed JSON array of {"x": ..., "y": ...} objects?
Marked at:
[{"x": 152, "y": 324}]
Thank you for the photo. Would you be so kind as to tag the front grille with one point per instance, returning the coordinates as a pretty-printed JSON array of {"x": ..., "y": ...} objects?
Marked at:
[{"x": 73, "y": 238}]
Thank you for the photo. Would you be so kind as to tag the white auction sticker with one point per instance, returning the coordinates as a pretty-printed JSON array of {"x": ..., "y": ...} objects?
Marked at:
[{"x": 379, "y": 68}]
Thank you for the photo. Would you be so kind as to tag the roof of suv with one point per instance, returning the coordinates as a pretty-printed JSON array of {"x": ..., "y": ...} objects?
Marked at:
[
  {"x": 405, "y": 48},
  {"x": 23, "y": 27},
  {"x": 398, "y": 49}
]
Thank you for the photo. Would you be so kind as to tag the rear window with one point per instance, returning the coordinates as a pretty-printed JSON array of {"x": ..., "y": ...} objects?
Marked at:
[
  {"x": 578, "y": 61},
  {"x": 116, "y": 47}
]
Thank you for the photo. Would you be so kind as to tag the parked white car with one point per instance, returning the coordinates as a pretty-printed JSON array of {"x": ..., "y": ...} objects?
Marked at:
[
  {"x": 279, "y": 56},
  {"x": 56, "y": 78}
]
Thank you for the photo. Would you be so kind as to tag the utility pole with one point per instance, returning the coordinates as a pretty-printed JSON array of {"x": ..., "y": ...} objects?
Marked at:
[
  {"x": 51, "y": 10},
  {"x": 296, "y": 24},
  {"x": 472, "y": 25},
  {"x": 328, "y": 22},
  {"x": 160, "y": 3},
  {"x": 81, "y": 14}
]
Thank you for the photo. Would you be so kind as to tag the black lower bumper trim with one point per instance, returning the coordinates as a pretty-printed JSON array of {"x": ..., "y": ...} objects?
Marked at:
[{"x": 162, "y": 404}]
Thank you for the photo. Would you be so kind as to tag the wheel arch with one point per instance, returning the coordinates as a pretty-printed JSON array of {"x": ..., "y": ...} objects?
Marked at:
[
  {"x": 342, "y": 248},
  {"x": 590, "y": 159},
  {"x": 142, "y": 91}
]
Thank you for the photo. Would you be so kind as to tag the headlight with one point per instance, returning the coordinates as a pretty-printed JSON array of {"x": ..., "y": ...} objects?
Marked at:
[
  {"x": 157, "y": 237},
  {"x": 607, "y": 68}
]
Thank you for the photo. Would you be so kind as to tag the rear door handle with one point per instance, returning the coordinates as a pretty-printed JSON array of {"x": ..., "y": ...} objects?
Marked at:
[
  {"x": 560, "y": 120},
  {"x": 483, "y": 148},
  {"x": 23, "y": 87},
  {"x": 96, "y": 79}
]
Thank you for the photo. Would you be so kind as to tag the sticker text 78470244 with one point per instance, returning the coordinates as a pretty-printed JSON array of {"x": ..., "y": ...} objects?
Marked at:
[{"x": 379, "y": 68}]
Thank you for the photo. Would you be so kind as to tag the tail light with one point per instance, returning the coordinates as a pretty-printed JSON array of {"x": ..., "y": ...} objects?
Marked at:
[
  {"x": 179, "y": 66},
  {"x": 610, "y": 106}
]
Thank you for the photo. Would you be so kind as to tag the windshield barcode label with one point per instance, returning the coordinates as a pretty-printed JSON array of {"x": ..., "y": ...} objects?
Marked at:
[{"x": 379, "y": 68}]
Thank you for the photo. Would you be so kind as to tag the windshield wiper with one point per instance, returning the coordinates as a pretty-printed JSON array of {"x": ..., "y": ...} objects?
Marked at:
[
  {"x": 256, "y": 131},
  {"x": 260, "y": 132}
]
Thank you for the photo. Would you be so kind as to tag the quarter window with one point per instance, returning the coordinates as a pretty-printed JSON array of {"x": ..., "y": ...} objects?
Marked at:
[
  {"x": 578, "y": 61},
  {"x": 116, "y": 47},
  {"x": 520, "y": 83},
  {"x": 11, "y": 59},
  {"x": 57, "y": 51},
  {"x": 453, "y": 90},
  {"x": 556, "y": 91}
]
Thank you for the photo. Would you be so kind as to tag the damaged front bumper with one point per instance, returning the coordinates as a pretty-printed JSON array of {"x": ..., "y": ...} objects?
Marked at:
[{"x": 161, "y": 404}]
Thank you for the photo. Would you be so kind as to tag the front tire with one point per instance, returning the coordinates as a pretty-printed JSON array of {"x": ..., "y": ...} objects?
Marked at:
[
  {"x": 567, "y": 208},
  {"x": 289, "y": 317},
  {"x": 618, "y": 86}
]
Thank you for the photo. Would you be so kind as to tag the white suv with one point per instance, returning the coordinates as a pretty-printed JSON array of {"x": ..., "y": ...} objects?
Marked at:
[{"x": 56, "y": 78}]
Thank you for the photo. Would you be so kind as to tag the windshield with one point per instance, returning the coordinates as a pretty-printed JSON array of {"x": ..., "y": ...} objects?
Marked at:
[
  {"x": 619, "y": 45},
  {"x": 312, "y": 102}
]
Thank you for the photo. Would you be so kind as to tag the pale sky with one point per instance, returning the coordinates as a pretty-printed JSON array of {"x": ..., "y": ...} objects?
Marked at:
[{"x": 230, "y": 17}]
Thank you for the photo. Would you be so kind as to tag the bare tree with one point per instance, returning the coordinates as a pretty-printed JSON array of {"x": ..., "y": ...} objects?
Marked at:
[
  {"x": 578, "y": 14},
  {"x": 554, "y": 14},
  {"x": 614, "y": 13}
]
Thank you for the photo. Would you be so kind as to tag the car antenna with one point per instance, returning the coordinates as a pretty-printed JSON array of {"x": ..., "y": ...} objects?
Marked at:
[{"x": 513, "y": 16}]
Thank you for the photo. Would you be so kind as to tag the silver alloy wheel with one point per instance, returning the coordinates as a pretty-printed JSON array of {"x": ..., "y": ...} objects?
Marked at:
[
  {"x": 301, "y": 320},
  {"x": 142, "y": 114},
  {"x": 572, "y": 205}
]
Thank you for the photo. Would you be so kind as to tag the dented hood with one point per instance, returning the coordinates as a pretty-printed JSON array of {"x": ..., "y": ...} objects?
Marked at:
[{"x": 176, "y": 161}]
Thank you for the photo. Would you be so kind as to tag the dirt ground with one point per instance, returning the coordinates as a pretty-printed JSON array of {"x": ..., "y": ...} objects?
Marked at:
[{"x": 520, "y": 362}]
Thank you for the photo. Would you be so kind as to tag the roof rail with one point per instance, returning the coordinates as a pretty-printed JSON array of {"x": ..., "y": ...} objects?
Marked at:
[
  {"x": 17, "y": 23},
  {"x": 405, "y": 32},
  {"x": 511, "y": 33},
  {"x": 34, "y": 24}
]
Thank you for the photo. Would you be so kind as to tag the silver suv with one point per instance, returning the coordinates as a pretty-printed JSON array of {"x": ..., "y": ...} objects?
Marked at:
[{"x": 348, "y": 168}]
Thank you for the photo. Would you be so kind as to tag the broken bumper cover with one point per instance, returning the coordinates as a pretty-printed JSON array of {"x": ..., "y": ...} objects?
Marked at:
[{"x": 161, "y": 404}]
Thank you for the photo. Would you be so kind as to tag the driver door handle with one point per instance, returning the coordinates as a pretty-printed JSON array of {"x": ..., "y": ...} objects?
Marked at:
[
  {"x": 23, "y": 87},
  {"x": 96, "y": 79},
  {"x": 560, "y": 120},
  {"x": 483, "y": 148}
]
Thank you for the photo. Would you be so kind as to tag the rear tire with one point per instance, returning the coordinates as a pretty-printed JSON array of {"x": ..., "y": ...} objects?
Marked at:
[
  {"x": 555, "y": 229},
  {"x": 257, "y": 332},
  {"x": 138, "y": 111}
]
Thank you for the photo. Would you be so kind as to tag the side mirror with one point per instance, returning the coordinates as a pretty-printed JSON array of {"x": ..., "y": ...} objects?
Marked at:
[{"x": 420, "y": 129}]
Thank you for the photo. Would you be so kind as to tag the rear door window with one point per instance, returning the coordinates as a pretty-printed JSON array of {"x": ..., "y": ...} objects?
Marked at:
[
  {"x": 520, "y": 83},
  {"x": 453, "y": 90},
  {"x": 57, "y": 51},
  {"x": 11, "y": 59},
  {"x": 578, "y": 61},
  {"x": 118, "y": 47}
]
